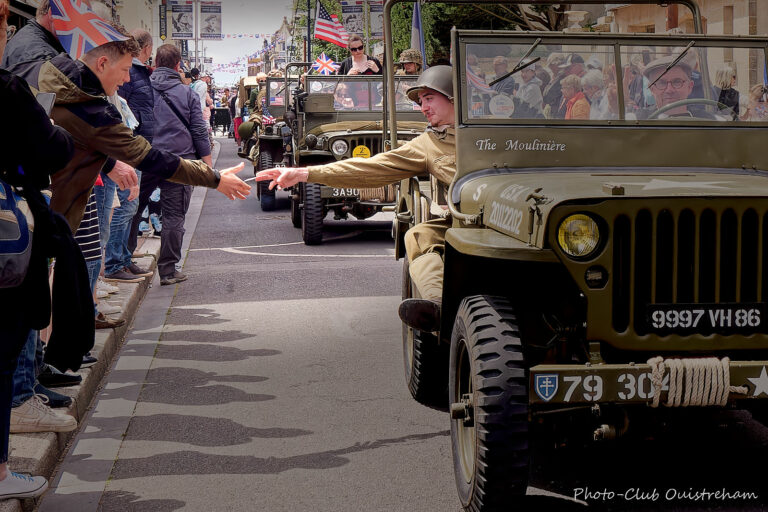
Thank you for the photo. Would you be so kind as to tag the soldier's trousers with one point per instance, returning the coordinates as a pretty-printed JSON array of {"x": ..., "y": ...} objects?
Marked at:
[{"x": 424, "y": 245}]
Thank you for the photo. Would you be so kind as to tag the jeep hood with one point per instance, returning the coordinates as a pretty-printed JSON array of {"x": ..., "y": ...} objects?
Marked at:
[{"x": 505, "y": 196}]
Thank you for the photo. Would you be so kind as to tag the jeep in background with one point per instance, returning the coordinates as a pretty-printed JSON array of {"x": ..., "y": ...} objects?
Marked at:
[
  {"x": 597, "y": 268},
  {"x": 340, "y": 117},
  {"x": 274, "y": 137}
]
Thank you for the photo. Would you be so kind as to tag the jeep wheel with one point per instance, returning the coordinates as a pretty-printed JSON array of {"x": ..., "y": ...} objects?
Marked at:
[
  {"x": 266, "y": 196},
  {"x": 312, "y": 215},
  {"x": 296, "y": 206},
  {"x": 424, "y": 358},
  {"x": 488, "y": 392}
]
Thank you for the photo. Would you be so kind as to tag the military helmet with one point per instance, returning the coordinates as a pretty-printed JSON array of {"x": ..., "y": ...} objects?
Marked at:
[
  {"x": 410, "y": 55},
  {"x": 437, "y": 78}
]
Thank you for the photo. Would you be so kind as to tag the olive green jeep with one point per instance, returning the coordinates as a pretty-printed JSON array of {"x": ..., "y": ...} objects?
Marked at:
[
  {"x": 609, "y": 244},
  {"x": 340, "y": 117},
  {"x": 274, "y": 136}
]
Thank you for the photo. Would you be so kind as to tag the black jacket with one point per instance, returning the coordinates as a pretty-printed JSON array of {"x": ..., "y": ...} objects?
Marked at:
[
  {"x": 138, "y": 94},
  {"x": 346, "y": 65},
  {"x": 34, "y": 149},
  {"x": 32, "y": 42}
]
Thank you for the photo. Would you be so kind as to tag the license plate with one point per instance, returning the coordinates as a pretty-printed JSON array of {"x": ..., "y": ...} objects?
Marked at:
[
  {"x": 330, "y": 192},
  {"x": 706, "y": 318}
]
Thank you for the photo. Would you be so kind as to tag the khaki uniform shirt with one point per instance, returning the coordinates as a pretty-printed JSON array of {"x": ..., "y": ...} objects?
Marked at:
[{"x": 434, "y": 151}]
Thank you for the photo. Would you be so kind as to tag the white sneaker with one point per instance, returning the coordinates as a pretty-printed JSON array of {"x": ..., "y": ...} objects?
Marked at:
[
  {"x": 15, "y": 485},
  {"x": 101, "y": 294},
  {"x": 105, "y": 286},
  {"x": 108, "y": 309},
  {"x": 34, "y": 416}
]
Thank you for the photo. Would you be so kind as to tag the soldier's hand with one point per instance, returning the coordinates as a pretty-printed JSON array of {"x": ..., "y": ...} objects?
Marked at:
[
  {"x": 134, "y": 193},
  {"x": 283, "y": 177},
  {"x": 231, "y": 185},
  {"x": 124, "y": 175}
]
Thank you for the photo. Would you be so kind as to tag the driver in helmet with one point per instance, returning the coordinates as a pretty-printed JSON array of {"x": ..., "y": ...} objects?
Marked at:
[{"x": 434, "y": 151}]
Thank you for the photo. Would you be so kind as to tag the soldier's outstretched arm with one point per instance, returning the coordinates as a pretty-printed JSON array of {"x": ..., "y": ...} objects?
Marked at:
[{"x": 283, "y": 177}]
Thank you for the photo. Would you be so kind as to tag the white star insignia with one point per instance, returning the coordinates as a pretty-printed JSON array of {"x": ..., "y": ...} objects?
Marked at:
[
  {"x": 655, "y": 184},
  {"x": 761, "y": 383}
]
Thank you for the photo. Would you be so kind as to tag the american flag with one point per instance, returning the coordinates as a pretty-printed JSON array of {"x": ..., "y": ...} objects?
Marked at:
[
  {"x": 328, "y": 27},
  {"x": 79, "y": 30},
  {"x": 325, "y": 65},
  {"x": 266, "y": 117}
]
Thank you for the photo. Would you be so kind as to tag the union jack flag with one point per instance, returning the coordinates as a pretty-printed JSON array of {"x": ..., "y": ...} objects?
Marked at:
[
  {"x": 80, "y": 30},
  {"x": 325, "y": 65}
]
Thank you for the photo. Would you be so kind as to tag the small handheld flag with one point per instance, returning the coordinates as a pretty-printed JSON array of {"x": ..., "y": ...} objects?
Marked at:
[{"x": 325, "y": 65}]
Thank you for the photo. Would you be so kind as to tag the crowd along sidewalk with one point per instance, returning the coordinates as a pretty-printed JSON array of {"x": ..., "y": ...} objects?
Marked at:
[{"x": 41, "y": 453}]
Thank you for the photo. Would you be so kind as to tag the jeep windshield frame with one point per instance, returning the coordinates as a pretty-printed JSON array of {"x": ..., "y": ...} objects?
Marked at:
[
  {"x": 361, "y": 93},
  {"x": 617, "y": 53}
]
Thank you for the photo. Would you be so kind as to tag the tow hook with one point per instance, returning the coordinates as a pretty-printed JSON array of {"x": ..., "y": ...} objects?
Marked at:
[{"x": 463, "y": 409}]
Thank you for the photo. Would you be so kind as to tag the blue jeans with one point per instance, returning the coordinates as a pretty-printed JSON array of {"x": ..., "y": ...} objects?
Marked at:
[
  {"x": 105, "y": 196},
  {"x": 25, "y": 376},
  {"x": 94, "y": 267},
  {"x": 14, "y": 333},
  {"x": 117, "y": 254}
]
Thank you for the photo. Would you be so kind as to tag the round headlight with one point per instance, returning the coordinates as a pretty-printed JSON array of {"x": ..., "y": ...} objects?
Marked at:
[
  {"x": 578, "y": 235},
  {"x": 339, "y": 147},
  {"x": 311, "y": 140}
]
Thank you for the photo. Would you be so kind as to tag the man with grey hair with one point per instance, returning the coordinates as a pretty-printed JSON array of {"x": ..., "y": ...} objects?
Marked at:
[
  {"x": 593, "y": 86},
  {"x": 35, "y": 41}
]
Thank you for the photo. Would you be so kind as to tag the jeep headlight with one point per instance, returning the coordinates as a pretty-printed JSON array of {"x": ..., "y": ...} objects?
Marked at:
[
  {"x": 339, "y": 147},
  {"x": 578, "y": 235}
]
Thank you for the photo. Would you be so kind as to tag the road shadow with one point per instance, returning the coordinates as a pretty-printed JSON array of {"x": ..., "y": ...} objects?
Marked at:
[
  {"x": 182, "y": 386},
  {"x": 197, "y": 335},
  {"x": 123, "y": 501},
  {"x": 194, "y": 316},
  {"x": 189, "y": 462},
  {"x": 202, "y": 431},
  {"x": 202, "y": 352}
]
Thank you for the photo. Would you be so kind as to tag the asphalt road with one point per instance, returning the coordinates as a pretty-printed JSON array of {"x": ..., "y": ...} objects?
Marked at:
[{"x": 272, "y": 381}]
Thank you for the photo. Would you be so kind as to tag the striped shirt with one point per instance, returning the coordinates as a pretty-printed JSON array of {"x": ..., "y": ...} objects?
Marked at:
[{"x": 87, "y": 234}]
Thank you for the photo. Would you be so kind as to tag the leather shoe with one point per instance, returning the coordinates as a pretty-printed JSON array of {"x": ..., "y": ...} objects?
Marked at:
[
  {"x": 88, "y": 360},
  {"x": 138, "y": 271},
  {"x": 51, "y": 377},
  {"x": 176, "y": 277},
  {"x": 420, "y": 314},
  {"x": 123, "y": 276},
  {"x": 102, "y": 322},
  {"x": 55, "y": 400}
]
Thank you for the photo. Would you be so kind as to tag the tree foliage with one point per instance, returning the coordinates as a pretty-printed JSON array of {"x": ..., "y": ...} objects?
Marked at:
[{"x": 437, "y": 21}]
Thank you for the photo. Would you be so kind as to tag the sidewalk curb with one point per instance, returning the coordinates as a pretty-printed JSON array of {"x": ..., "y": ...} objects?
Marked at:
[{"x": 40, "y": 454}]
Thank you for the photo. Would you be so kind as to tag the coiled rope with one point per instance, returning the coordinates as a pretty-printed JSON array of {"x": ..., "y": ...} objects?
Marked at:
[{"x": 693, "y": 382}]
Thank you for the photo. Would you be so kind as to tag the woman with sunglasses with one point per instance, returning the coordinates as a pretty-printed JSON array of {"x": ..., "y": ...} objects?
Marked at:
[{"x": 359, "y": 63}]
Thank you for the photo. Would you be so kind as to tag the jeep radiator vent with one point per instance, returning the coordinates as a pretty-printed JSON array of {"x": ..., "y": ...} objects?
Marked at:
[
  {"x": 372, "y": 143},
  {"x": 686, "y": 256}
]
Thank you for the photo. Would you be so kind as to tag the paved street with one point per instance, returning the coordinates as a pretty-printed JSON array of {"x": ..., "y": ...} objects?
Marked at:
[
  {"x": 272, "y": 381},
  {"x": 276, "y": 383}
]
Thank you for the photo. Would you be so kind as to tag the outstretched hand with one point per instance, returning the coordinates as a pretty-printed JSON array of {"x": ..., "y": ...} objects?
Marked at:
[
  {"x": 283, "y": 177},
  {"x": 231, "y": 185}
]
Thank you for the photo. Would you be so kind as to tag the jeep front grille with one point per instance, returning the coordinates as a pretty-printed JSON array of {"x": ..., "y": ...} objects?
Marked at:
[
  {"x": 372, "y": 143},
  {"x": 675, "y": 256}
]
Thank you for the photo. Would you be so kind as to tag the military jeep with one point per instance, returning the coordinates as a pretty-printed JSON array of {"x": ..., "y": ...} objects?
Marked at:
[
  {"x": 341, "y": 117},
  {"x": 610, "y": 264},
  {"x": 274, "y": 137}
]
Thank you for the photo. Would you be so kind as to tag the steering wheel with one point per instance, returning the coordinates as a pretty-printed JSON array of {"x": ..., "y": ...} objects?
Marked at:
[{"x": 689, "y": 101}]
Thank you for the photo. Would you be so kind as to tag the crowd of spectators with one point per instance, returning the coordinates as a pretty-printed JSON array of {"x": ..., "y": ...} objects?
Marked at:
[{"x": 83, "y": 174}]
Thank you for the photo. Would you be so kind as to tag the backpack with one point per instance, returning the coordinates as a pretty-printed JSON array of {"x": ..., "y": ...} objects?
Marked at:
[{"x": 16, "y": 226}]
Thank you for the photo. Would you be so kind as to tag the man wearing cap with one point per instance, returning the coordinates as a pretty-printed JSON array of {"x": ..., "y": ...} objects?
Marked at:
[
  {"x": 198, "y": 86},
  {"x": 670, "y": 87},
  {"x": 434, "y": 151},
  {"x": 410, "y": 59},
  {"x": 530, "y": 90}
]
